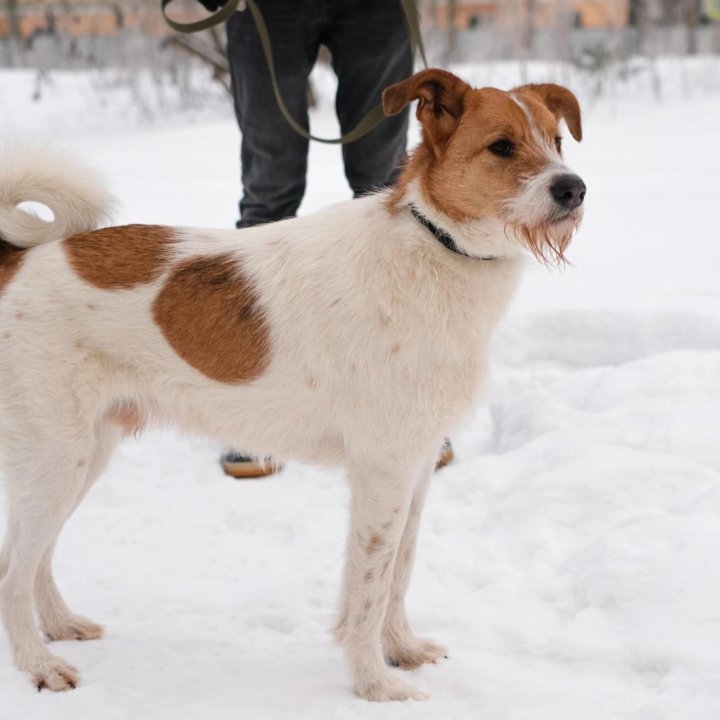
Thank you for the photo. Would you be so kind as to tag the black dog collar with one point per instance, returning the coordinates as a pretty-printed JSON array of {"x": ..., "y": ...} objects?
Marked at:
[{"x": 445, "y": 238}]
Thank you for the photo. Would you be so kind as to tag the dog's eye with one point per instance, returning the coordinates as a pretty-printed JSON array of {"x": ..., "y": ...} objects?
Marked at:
[
  {"x": 558, "y": 144},
  {"x": 502, "y": 148}
]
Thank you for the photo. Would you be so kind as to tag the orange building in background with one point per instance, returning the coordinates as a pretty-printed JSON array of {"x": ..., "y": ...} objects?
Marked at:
[
  {"x": 84, "y": 18},
  {"x": 545, "y": 13},
  {"x": 97, "y": 18},
  {"x": 106, "y": 17}
]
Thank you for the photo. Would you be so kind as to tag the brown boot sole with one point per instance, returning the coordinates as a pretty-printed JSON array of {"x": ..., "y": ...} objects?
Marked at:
[
  {"x": 446, "y": 456},
  {"x": 249, "y": 470}
]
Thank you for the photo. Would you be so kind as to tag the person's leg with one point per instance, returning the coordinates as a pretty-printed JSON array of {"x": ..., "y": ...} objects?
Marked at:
[
  {"x": 273, "y": 155},
  {"x": 370, "y": 50}
]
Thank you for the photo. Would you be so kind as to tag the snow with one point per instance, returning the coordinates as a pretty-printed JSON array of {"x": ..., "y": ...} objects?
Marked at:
[{"x": 568, "y": 557}]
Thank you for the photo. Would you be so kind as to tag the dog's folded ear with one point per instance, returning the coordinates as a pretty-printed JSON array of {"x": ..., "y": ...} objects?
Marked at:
[
  {"x": 441, "y": 100},
  {"x": 561, "y": 103}
]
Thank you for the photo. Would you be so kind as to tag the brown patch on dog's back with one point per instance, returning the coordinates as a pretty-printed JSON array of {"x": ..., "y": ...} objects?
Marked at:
[
  {"x": 209, "y": 314},
  {"x": 10, "y": 260},
  {"x": 118, "y": 258}
]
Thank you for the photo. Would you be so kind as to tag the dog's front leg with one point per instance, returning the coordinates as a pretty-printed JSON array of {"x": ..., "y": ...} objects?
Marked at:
[
  {"x": 402, "y": 647},
  {"x": 381, "y": 500}
]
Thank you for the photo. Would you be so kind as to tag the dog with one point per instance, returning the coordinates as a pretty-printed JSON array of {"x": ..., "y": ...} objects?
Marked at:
[{"x": 356, "y": 337}]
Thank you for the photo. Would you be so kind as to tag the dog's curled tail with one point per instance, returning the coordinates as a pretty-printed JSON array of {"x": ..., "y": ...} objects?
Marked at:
[{"x": 72, "y": 191}]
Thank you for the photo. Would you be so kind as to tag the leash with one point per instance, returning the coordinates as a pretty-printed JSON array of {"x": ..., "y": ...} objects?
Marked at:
[{"x": 366, "y": 124}]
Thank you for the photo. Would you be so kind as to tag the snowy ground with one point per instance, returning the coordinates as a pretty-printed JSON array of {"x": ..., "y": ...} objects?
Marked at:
[{"x": 568, "y": 558}]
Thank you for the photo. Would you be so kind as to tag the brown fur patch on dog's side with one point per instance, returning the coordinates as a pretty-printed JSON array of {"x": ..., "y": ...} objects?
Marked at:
[
  {"x": 118, "y": 258},
  {"x": 10, "y": 261},
  {"x": 209, "y": 314}
]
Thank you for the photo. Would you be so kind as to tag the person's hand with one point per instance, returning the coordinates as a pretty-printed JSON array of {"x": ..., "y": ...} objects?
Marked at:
[{"x": 213, "y": 5}]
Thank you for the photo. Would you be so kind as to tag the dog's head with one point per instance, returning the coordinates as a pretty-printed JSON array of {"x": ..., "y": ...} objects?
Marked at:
[{"x": 497, "y": 156}]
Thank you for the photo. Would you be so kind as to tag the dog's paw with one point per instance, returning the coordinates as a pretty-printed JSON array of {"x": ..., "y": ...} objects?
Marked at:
[
  {"x": 73, "y": 627},
  {"x": 387, "y": 689},
  {"x": 414, "y": 652},
  {"x": 54, "y": 674}
]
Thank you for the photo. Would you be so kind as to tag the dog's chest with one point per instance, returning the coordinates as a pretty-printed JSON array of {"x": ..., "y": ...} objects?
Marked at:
[{"x": 423, "y": 343}]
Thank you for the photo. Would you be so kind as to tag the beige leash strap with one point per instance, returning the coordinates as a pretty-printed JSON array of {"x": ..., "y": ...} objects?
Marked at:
[
  {"x": 370, "y": 121},
  {"x": 219, "y": 17}
]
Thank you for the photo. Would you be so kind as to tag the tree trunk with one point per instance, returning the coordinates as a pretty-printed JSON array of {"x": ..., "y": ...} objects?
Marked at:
[
  {"x": 529, "y": 35},
  {"x": 692, "y": 20},
  {"x": 451, "y": 49},
  {"x": 15, "y": 39}
]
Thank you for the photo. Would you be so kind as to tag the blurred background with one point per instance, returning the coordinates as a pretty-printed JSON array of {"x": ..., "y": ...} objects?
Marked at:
[
  {"x": 98, "y": 33},
  {"x": 607, "y": 41}
]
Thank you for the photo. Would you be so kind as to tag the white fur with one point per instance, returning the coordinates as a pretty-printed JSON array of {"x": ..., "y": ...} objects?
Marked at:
[
  {"x": 539, "y": 139},
  {"x": 379, "y": 340},
  {"x": 74, "y": 193},
  {"x": 534, "y": 204}
]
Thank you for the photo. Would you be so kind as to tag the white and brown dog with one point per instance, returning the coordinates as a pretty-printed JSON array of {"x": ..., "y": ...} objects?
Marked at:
[{"x": 356, "y": 336}]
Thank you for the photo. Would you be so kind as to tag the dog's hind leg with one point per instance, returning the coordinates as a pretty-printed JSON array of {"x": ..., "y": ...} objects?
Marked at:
[
  {"x": 402, "y": 648},
  {"x": 56, "y": 619},
  {"x": 46, "y": 475},
  {"x": 381, "y": 499}
]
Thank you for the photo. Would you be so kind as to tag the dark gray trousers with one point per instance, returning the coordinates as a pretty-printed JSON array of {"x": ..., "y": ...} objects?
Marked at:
[{"x": 370, "y": 50}]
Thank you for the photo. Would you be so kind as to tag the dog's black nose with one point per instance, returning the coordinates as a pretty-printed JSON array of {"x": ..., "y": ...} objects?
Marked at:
[{"x": 568, "y": 191}]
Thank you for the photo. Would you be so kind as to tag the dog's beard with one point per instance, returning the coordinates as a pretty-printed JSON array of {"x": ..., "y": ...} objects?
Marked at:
[{"x": 548, "y": 239}]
